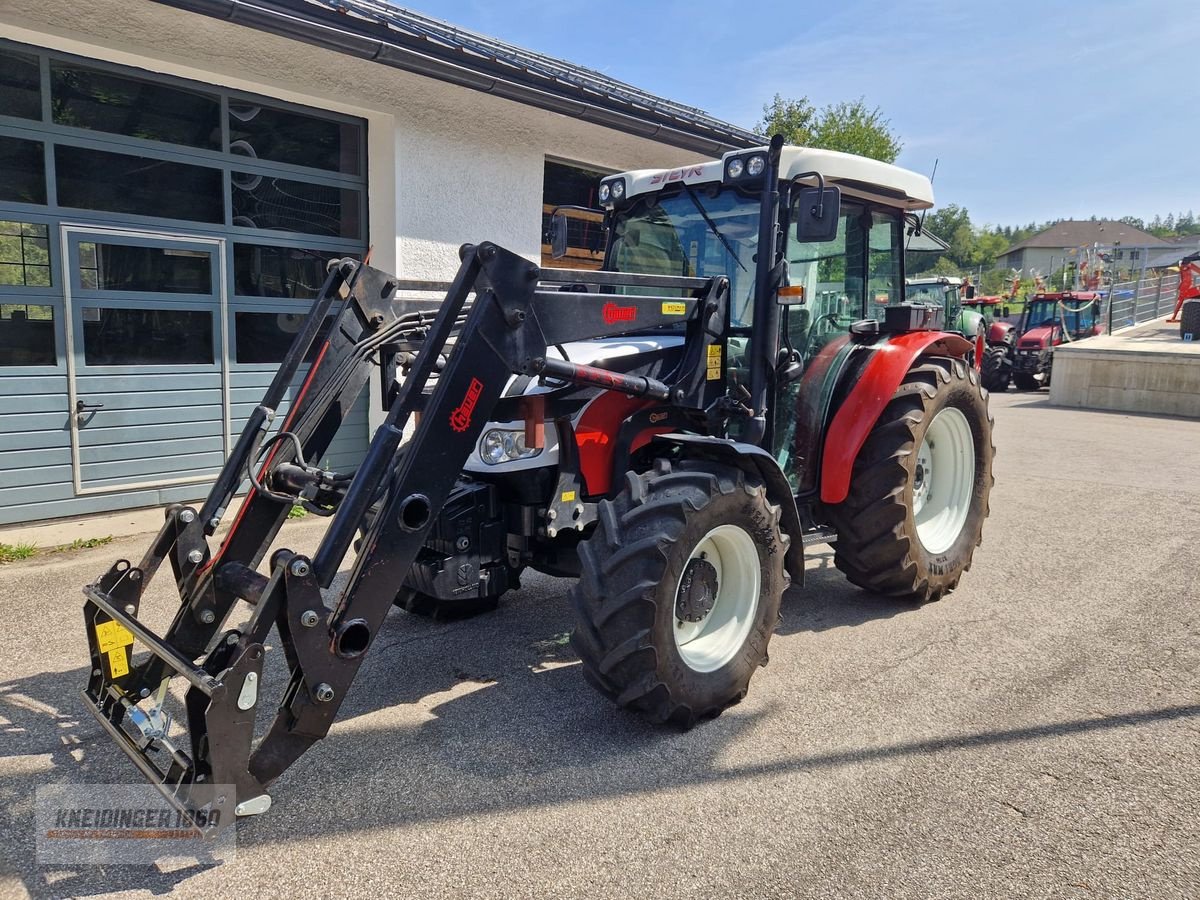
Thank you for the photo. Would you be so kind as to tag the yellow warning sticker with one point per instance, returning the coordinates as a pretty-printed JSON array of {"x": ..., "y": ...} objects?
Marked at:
[
  {"x": 674, "y": 309},
  {"x": 111, "y": 635},
  {"x": 568, "y": 496},
  {"x": 714, "y": 363},
  {"x": 118, "y": 662}
]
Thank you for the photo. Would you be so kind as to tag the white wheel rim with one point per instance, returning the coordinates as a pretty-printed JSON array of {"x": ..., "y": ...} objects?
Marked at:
[
  {"x": 944, "y": 480},
  {"x": 712, "y": 642}
]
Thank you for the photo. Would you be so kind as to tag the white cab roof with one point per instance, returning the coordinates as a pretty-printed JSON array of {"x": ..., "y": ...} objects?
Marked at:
[{"x": 856, "y": 176}]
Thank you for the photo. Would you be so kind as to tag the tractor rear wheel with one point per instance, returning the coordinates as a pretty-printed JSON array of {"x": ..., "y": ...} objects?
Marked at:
[
  {"x": 996, "y": 371},
  {"x": 920, "y": 486},
  {"x": 679, "y": 591}
]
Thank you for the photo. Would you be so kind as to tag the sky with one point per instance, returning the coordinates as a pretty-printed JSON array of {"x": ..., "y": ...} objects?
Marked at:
[{"x": 1033, "y": 110}]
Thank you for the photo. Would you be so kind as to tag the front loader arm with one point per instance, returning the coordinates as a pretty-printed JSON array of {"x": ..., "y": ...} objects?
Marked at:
[{"x": 325, "y": 634}]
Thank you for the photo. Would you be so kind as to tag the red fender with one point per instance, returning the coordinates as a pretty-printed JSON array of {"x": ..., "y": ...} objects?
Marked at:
[
  {"x": 596, "y": 434},
  {"x": 876, "y": 386},
  {"x": 998, "y": 332}
]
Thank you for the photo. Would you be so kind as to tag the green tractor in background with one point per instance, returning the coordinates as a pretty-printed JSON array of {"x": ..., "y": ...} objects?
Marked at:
[{"x": 959, "y": 313}]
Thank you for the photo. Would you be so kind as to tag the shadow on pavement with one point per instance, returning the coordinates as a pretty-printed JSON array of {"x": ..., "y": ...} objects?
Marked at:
[{"x": 448, "y": 722}]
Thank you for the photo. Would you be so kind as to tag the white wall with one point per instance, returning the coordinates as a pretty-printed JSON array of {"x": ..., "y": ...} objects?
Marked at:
[{"x": 445, "y": 165}]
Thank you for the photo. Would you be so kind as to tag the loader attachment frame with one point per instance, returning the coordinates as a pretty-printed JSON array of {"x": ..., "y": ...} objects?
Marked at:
[{"x": 458, "y": 357}]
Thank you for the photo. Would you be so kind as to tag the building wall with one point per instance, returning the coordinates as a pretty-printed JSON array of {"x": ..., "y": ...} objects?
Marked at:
[{"x": 445, "y": 165}]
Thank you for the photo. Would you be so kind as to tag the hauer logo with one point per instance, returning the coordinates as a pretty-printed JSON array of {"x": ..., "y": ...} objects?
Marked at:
[
  {"x": 460, "y": 419},
  {"x": 613, "y": 313},
  {"x": 677, "y": 175}
]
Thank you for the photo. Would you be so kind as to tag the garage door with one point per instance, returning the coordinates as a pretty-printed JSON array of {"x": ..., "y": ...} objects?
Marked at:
[{"x": 145, "y": 373}]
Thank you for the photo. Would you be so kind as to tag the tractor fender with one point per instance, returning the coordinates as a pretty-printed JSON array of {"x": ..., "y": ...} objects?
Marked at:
[
  {"x": 999, "y": 333},
  {"x": 757, "y": 462},
  {"x": 874, "y": 389}
]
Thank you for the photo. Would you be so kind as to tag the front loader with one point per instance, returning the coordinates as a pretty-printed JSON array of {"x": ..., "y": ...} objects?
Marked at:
[{"x": 672, "y": 430}]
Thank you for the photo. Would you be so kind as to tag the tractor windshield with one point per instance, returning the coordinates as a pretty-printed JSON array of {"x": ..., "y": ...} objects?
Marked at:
[
  {"x": 1041, "y": 313},
  {"x": 702, "y": 232},
  {"x": 933, "y": 294}
]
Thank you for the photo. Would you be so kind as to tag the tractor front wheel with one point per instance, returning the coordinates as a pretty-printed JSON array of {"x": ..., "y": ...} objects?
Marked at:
[
  {"x": 1025, "y": 382},
  {"x": 679, "y": 590},
  {"x": 920, "y": 486}
]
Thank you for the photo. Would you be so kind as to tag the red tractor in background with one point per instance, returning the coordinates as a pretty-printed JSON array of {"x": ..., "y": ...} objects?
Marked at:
[
  {"x": 1025, "y": 354},
  {"x": 1188, "y": 314}
]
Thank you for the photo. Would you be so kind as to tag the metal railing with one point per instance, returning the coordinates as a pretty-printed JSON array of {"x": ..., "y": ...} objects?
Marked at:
[{"x": 1134, "y": 302}]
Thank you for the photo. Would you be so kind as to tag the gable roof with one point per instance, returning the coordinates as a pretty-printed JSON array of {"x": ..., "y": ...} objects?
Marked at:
[
  {"x": 403, "y": 39},
  {"x": 1072, "y": 233}
]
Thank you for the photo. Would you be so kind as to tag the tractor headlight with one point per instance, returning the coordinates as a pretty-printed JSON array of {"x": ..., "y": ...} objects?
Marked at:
[
  {"x": 755, "y": 165},
  {"x": 612, "y": 192},
  {"x": 735, "y": 168},
  {"x": 500, "y": 445}
]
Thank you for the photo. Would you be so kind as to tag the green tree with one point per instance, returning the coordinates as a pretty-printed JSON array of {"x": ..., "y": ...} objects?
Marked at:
[
  {"x": 850, "y": 126},
  {"x": 794, "y": 119}
]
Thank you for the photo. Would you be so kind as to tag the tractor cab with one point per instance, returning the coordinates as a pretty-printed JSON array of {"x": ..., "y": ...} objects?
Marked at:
[
  {"x": 835, "y": 225},
  {"x": 945, "y": 293}
]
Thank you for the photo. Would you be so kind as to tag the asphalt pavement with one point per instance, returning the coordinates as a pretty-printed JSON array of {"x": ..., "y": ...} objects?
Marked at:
[{"x": 1035, "y": 734}]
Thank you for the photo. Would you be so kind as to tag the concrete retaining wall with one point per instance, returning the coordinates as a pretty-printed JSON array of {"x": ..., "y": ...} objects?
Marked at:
[{"x": 1146, "y": 370}]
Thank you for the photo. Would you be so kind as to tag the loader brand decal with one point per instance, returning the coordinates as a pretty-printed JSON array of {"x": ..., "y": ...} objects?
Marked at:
[
  {"x": 613, "y": 313},
  {"x": 714, "y": 363},
  {"x": 674, "y": 309},
  {"x": 677, "y": 175},
  {"x": 460, "y": 418}
]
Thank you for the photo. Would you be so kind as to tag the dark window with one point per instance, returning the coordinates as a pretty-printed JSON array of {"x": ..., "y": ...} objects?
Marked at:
[
  {"x": 138, "y": 185},
  {"x": 20, "y": 85},
  {"x": 24, "y": 254},
  {"x": 566, "y": 185},
  {"x": 261, "y": 271},
  {"x": 104, "y": 101},
  {"x": 22, "y": 171},
  {"x": 26, "y": 335},
  {"x": 156, "y": 337},
  {"x": 168, "y": 270},
  {"x": 264, "y": 337},
  {"x": 280, "y": 204},
  {"x": 289, "y": 137}
]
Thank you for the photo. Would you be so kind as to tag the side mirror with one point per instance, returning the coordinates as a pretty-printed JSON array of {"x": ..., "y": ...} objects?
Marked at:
[
  {"x": 970, "y": 291},
  {"x": 558, "y": 234},
  {"x": 817, "y": 212}
]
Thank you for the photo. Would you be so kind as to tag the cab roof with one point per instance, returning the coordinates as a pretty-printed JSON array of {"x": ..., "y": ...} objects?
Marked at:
[{"x": 856, "y": 176}]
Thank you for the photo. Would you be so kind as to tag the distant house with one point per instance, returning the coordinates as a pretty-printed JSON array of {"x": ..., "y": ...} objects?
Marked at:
[{"x": 1047, "y": 250}]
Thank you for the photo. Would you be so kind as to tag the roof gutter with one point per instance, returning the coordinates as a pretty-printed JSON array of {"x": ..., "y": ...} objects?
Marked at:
[{"x": 309, "y": 29}]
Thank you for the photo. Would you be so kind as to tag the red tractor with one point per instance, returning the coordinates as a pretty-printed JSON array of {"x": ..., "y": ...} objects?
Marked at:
[
  {"x": 1187, "y": 314},
  {"x": 1025, "y": 355},
  {"x": 672, "y": 430}
]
